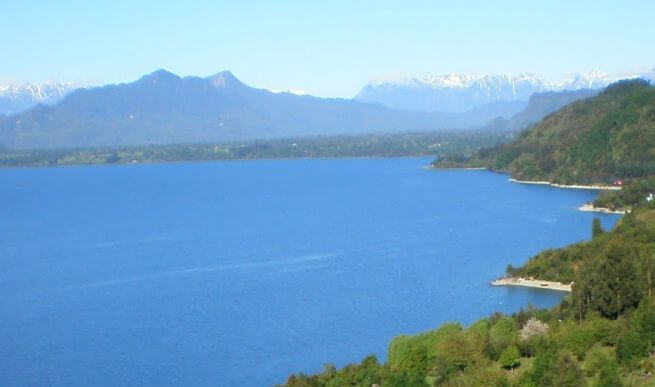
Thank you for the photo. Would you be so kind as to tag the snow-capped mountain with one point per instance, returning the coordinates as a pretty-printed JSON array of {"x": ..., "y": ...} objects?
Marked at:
[
  {"x": 457, "y": 93},
  {"x": 590, "y": 80},
  {"x": 17, "y": 98},
  {"x": 288, "y": 91}
]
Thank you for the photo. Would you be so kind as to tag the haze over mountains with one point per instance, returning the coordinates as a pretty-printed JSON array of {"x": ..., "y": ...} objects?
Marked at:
[
  {"x": 594, "y": 141},
  {"x": 457, "y": 93},
  {"x": 163, "y": 108},
  {"x": 540, "y": 105}
]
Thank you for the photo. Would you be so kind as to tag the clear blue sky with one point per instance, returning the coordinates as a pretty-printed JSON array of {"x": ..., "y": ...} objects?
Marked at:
[{"x": 327, "y": 48}]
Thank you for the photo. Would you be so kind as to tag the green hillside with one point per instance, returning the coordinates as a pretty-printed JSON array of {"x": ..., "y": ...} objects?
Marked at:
[
  {"x": 603, "y": 333},
  {"x": 592, "y": 141}
]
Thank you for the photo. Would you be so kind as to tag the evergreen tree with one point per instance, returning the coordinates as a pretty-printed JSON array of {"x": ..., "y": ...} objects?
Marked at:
[
  {"x": 630, "y": 347},
  {"x": 616, "y": 286},
  {"x": 586, "y": 279},
  {"x": 647, "y": 260},
  {"x": 596, "y": 228},
  {"x": 644, "y": 322}
]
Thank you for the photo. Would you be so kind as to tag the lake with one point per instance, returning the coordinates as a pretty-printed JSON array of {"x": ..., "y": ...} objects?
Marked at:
[{"x": 240, "y": 273}]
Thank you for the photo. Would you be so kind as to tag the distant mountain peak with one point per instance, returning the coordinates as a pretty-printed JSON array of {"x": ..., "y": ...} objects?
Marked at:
[
  {"x": 15, "y": 98},
  {"x": 456, "y": 92},
  {"x": 161, "y": 75},
  {"x": 594, "y": 79},
  {"x": 162, "y": 108},
  {"x": 456, "y": 80},
  {"x": 224, "y": 79}
]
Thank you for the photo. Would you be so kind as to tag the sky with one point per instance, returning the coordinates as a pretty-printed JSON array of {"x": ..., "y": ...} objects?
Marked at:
[{"x": 326, "y": 48}]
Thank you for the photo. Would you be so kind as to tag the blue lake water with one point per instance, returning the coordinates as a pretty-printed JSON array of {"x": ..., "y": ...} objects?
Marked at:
[{"x": 240, "y": 273}]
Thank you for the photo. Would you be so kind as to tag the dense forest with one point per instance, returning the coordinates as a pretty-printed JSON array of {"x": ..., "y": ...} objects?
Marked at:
[
  {"x": 591, "y": 141},
  {"x": 603, "y": 332},
  {"x": 444, "y": 143}
]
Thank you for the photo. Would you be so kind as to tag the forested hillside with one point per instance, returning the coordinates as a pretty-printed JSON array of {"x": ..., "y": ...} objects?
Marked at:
[
  {"x": 603, "y": 333},
  {"x": 592, "y": 141},
  {"x": 539, "y": 106}
]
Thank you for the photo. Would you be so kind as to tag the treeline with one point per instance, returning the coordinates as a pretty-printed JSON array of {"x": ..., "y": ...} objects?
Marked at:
[
  {"x": 442, "y": 143},
  {"x": 596, "y": 140},
  {"x": 602, "y": 334},
  {"x": 529, "y": 348}
]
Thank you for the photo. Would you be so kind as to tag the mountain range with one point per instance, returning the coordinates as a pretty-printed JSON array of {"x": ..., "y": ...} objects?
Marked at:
[
  {"x": 18, "y": 98},
  {"x": 163, "y": 108},
  {"x": 457, "y": 93}
]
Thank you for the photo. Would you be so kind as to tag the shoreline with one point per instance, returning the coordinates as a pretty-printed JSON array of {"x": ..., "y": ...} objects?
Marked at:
[
  {"x": 588, "y": 207},
  {"x": 532, "y": 283},
  {"x": 540, "y": 182},
  {"x": 572, "y": 186},
  {"x": 429, "y": 166},
  {"x": 191, "y": 161}
]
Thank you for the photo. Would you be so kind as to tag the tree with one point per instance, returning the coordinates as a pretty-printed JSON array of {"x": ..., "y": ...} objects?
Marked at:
[
  {"x": 608, "y": 375},
  {"x": 457, "y": 352},
  {"x": 418, "y": 352},
  {"x": 460, "y": 352},
  {"x": 582, "y": 288},
  {"x": 502, "y": 334},
  {"x": 644, "y": 321},
  {"x": 647, "y": 258},
  {"x": 509, "y": 359},
  {"x": 478, "y": 336},
  {"x": 533, "y": 327},
  {"x": 630, "y": 348},
  {"x": 566, "y": 371},
  {"x": 596, "y": 228},
  {"x": 616, "y": 287},
  {"x": 482, "y": 376},
  {"x": 544, "y": 361}
]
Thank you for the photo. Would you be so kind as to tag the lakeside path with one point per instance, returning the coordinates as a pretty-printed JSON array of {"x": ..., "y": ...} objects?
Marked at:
[{"x": 531, "y": 283}]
